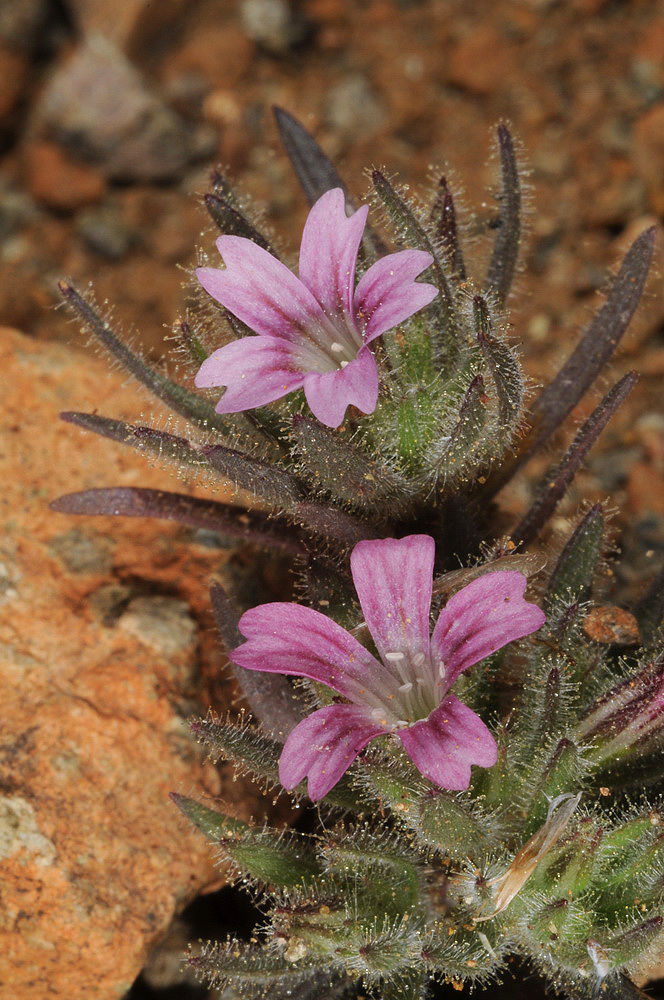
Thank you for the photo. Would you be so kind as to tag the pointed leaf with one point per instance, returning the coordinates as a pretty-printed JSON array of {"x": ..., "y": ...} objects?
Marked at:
[
  {"x": 506, "y": 247},
  {"x": 461, "y": 448},
  {"x": 444, "y": 223},
  {"x": 503, "y": 366},
  {"x": 553, "y": 486},
  {"x": 573, "y": 574},
  {"x": 597, "y": 343},
  {"x": 159, "y": 443},
  {"x": 234, "y": 522},
  {"x": 232, "y": 222},
  {"x": 315, "y": 171},
  {"x": 187, "y": 404},
  {"x": 213, "y": 824}
]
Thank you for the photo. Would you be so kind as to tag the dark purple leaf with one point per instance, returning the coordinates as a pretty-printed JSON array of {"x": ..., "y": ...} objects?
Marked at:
[
  {"x": 589, "y": 357},
  {"x": 230, "y": 220},
  {"x": 334, "y": 524},
  {"x": 234, "y": 522},
  {"x": 315, "y": 171},
  {"x": 444, "y": 223},
  {"x": 508, "y": 236},
  {"x": 597, "y": 343},
  {"x": 274, "y": 485},
  {"x": 555, "y": 484},
  {"x": 159, "y": 443}
]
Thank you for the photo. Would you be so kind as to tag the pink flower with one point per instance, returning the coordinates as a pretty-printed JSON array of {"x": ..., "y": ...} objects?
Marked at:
[
  {"x": 313, "y": 330},
  {"x": 406, "y": 692}
]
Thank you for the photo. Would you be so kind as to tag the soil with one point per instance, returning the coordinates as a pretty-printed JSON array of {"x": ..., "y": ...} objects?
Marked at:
[{"x": 111, "y": 115}]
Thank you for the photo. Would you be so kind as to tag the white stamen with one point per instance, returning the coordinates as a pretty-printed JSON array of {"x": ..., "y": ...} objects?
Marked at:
[
  {"x": 343, "y": 363},
  {"x": 441, "y": 669},
  {"x": 420, "y": 680},
  {"x": 334, "y": 346},
  {"x": 394, "y": 657},
  {"x": 406, "y": 687},
  {"x": 418, "y": 659}
]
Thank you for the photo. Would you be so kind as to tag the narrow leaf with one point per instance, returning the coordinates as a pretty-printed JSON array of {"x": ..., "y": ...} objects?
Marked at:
[
  {"x": 214, "y": 825},
  {"x": 342, "y": 468},
  {"x": 572, "y": 576},
  {"x": 187, "y": 404},
  {"x": 265, "y": 481},
  {"x": 460, "y": 449},
  {"x": 415, "y": 234},
  {"x": 270, "y": 697},
  {"x": 242, "y": 744},
  {"x": 444, "y": 224},
  {"x": 159, "y": 443},
  {"x": 332, "y": 523},
  {"x": 597, "y": 343},
  {"x": 503, "y": 366},
  {"x": 231, "y": 221},
  {"x": 506, "y": 247},
  {"x": 315, "y": 171},
  {"x": 235, "y": 522},
  {"x": 553, "y": 487},
  {"x": 191, "y": 342}
]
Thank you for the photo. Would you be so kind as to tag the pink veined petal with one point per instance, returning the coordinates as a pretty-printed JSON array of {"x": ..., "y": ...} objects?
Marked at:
[
  {"x": 286, "y": 638},
  {"x": 388, "y": 293},
  {"x": 444, "y": 746},
  {"x": 328, "y": 252},
  {"x": 330, "y": 393},
  {"x": 260, "y": 290},
  {"x": 483, "y": 617},
  {"x": 393, "y": 579},
  {"x": 324, "y": 745},
  {"x": 257, "y": 370}
]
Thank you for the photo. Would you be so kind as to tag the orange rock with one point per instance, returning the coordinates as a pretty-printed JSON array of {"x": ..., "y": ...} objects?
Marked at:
[
  {"x": 610, "y": 625},
  {"x": 97, "y": 674},
  {"x": 14, "y": 67},
  {"x": 649, "y": 153},
  {"x": 480, "y": 61},
  {"x": 130, "y": 23},
  {"x": 58, "y": 181}
]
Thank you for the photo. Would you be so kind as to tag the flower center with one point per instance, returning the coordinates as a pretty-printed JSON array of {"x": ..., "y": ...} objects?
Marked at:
[
  {"x": 414, "y": 686},
  {"x": 329, "y": 345}
]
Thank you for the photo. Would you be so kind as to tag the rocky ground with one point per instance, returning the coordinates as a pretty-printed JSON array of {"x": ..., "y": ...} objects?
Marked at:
[{"x": 110, "y": 117}]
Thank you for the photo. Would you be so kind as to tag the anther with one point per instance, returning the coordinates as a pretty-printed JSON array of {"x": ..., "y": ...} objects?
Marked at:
[
  {"x": 335, "y": 346},
  {"x": 394, "y": 657},
  {"x": 406, "y": 687}
]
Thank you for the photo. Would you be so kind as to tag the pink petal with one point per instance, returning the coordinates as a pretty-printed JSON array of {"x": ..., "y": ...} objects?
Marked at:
[
  {"x": 393, "y": 578},
  {"x": 324, "y": 745},
  {"x": 257, "y": 370},
  {"x": 444, "y": 746},
  {"x": 483, "y": 617},
  {"x": 292, "y": 639},
  {"x": 330, "y": 393},
  {"x": 388, "y": 293},
  {"x": 260, "y": 290},
  {"x": 328, "y": 252}
]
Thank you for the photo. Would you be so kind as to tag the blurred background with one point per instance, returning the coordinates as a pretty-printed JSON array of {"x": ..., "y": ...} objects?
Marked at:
[{"x": 112, "y": 113}]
